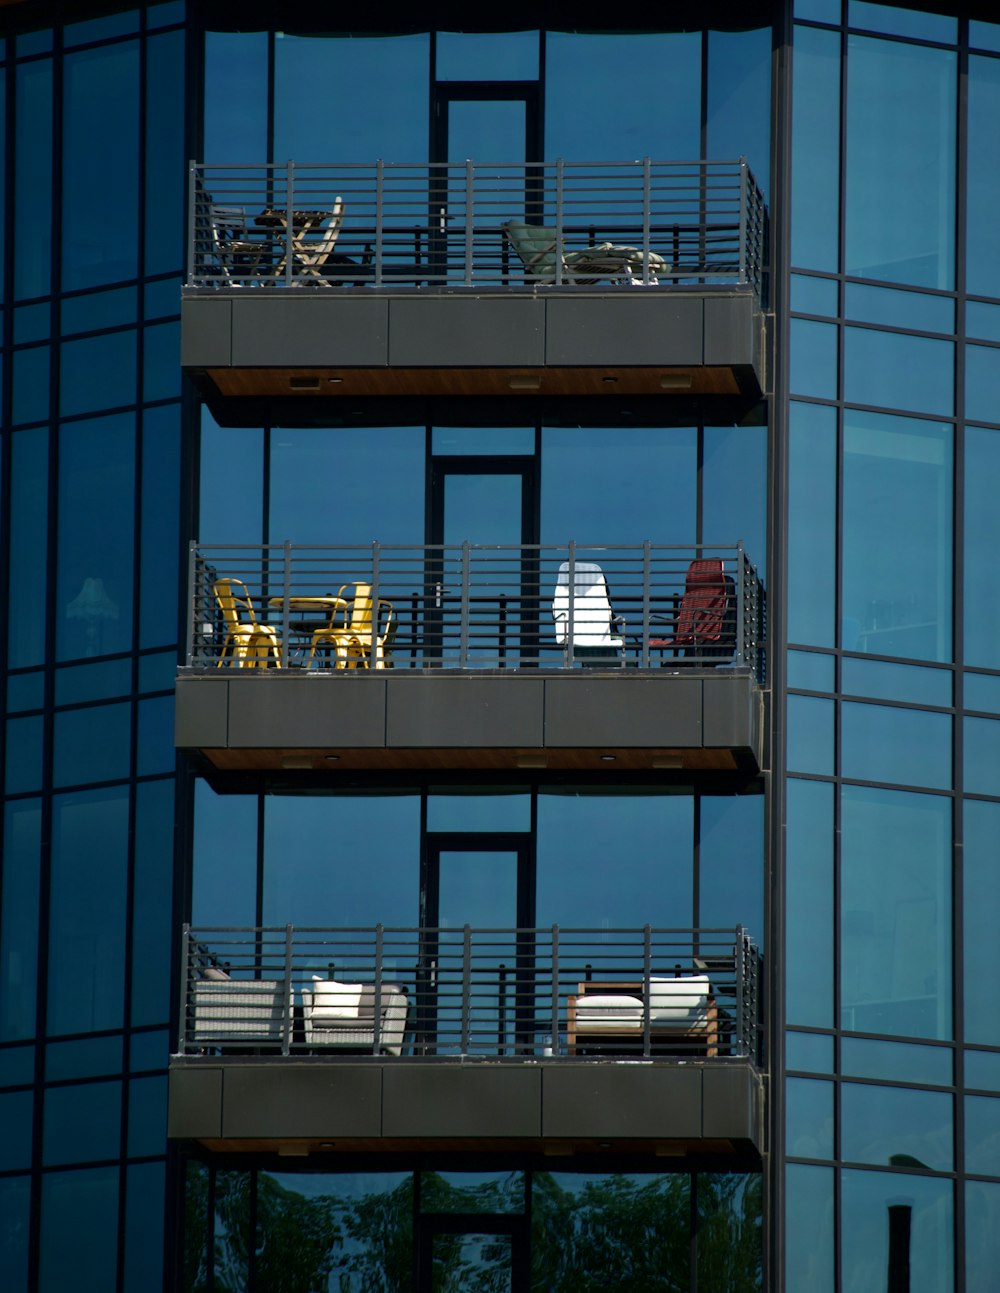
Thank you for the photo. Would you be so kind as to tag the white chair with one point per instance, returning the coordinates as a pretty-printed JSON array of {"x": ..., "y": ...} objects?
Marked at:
[
  {"x": 595, "y": 632},
  {"x": 343, "y": 1015},
  {"x": 682, "y": 1009}
]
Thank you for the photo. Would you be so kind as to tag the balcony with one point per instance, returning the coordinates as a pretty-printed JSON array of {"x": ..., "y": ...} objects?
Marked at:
[
  {"x": 558, "y": 1039},
  {"x": 613, "y": 279},
  {"x": 332, "y": 660}
]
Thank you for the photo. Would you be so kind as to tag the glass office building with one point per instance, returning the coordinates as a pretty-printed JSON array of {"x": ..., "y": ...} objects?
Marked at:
[{"x": 412, "y": 876}]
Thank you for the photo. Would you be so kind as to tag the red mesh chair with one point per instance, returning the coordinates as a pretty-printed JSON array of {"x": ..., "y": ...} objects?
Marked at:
[{"x": 706, "y": 618}]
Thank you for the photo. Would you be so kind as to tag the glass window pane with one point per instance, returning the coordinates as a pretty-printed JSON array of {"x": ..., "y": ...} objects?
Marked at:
[
  {"x": 809, "y": 1052},
  {"x": 321, "y": 485},
  {"x": 144, "y": 1199},
  {"x": 492, "y": 56},
  {"x": 812, "y": 522},
  {"x": 905, "y": 746},
  {"x": 151, "y": 902},
  {"x": 161, "y": 358},
  {"x": 897, "y": 536},
  {"x": 982, "y": 901},
  {"x": 899, "y": 21},
  {"x": 28, "y": 546},
  {"x": 232, "y": 472},
  {"x": 900, "y": 209},
  {"x": 79, "y": 1229},
  {"x": 493, "y": 1192},
  {"x": 867, "y": 1221},
  {"x": 982, "y": 1225},
  {"x": 379, "y": 84},
  {"x": 734, "y": 489},
  {"x": 809, "y": 1260},
  {"x": 99, "y": 681},
  {"x": 810, "y": 671},
  {"x": 100, "y": 85},
  {"x": 88, "y": 1057},
  {"x": 30, "y": 384},
  {"x": 982, "y": 1135},
  {"x": 504, "y": 810},
  {"x": 646, "y": 489},
  {"x": 155, "y": 750},
  {"x": 19, "y": 919},
  {"x": 982, "y": 542},
  {"x": 235, "y": 104},
  {"x": 87, "y": 914},
  {"x": 147, "y": 1116},
  {"x": 809, "y": 924},
  {"x": 809, "y": 1118},
  {"x": 816, "y": 148},
  {"x": 82, "y": 1123},
  {"x": 867, "y": 304},
  {"x": 159, "y": 526},
  {"x": 896, "y": 1061},
  {"x": 728, "y": 1224},
  {"x": 163, "y": 213},
  {"x": 896, "y": 913},
  {"x": 982, "y": 691},
  {"x": 97, "y": 373},
  {"x": 897, "y": 371},
  {"x": 96, "y": 526},
  {"x": 23, "y": 755},
  {"x": 642, "y": 100},
  {"x": 15, "y": 1135},
  {"x": 810, "y": 735},
  {"x": 731, "y": 864},
  {"x": 982, "y": 756},
  {"x": 880, "y": 1124},
  {"x": 813, "y": 361},
  {"x": 982, "y": 320},
  {"x": 886, "y": 681},
  {"x": 739, "y": 99},
  {"x": 982, "y": 375},
  {"x": 15, "y": 1207},
  {"x": 33, "y": 179},
  {"x": 91, "y": 744},
  {"x": 374, "y": 879},
  {"x": 224, "y": 883},
  {"x": 648, "y": 838},
  {"x": 982, "y": 252},
  {"x": 814, "y": 295}
]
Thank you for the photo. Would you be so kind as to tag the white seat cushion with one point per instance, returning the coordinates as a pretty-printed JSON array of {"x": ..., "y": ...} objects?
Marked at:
[
  {"x": 610, "y": 1012},
  {"x": 677, "y": 1000},
  {"x": 333, "y": 1000}
]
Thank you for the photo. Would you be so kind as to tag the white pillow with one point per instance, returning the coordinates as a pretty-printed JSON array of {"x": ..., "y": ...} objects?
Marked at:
[
  {"x": 609, "y": 1012},
  {"x": 677, "y": 999},
  {"x": 333, "y": 1000}
]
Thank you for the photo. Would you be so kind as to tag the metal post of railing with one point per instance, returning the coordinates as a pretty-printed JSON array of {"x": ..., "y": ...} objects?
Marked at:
[
  {"x": 560, "y": 248},
  {"x": 376, "y": 615},
  {"x": 193, "y": 597},
  {"x": 465, "y": 607},
  {"x": 502, "y": 631},
  {"x": 647, "y": 559},
  {"x": 647, "y": 970},
  {"x": 286, "y": 1005},
  {"x": 289, "y": 220},
  {"x": 379, "y": 218},
  {"x": 469, "y": 220},
  {"x": 647, "y": 198},
  {"x": 192, "y": 218},
  {"x": 377, "y": 1021},
  {"x": 556, "y": 1047},
  {"x": 466, "y": 987},
  {"x": 742, "y": 1040},
  {"x": 285, "y": 586},
  {"x": 744, "y": 208},
  {"x": 502, "y": 1009},
  {"x": 185, "y": 988},
  {"x": 739, "y": 657},
  {"x": 571, "y": 594}
]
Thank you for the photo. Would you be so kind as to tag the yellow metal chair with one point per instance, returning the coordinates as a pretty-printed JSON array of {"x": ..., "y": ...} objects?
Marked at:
[
  {"x": 353, "y": 638},
  {"x": 248, "y": 644}
]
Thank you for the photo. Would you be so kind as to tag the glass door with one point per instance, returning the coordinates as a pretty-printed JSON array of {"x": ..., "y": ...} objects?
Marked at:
[
  {"x": 476, "y": 985},
  {"x": 489, "y": 501},
  {"x": 494, "y": 124},
  {"x": 472, "y": 1253}
]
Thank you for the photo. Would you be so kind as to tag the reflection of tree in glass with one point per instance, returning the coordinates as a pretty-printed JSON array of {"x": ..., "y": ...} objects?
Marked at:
[
  {"x": 729, "y": 1232},
  {"x": 230, "y": 1249},
  {"x": 610, "y": 1234},
  {"x": 470, "y": 1263},
  {"x": 378, "y": 1252},
  {"x": 297, "y": 1240},
  {"x": 195, "y": 1254},
  {"x": 502, "y": 1192}
]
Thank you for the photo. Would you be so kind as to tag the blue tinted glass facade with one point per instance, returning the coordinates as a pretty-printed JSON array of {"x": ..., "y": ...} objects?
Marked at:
[{"x": 862, "y": 857}]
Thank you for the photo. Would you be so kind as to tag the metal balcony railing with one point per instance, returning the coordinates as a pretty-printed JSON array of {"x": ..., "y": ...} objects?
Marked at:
[
  {"x": 509, "y": 994},
  {"x": 563, "y": 224},
  {"x": 474, "y": 606}
]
